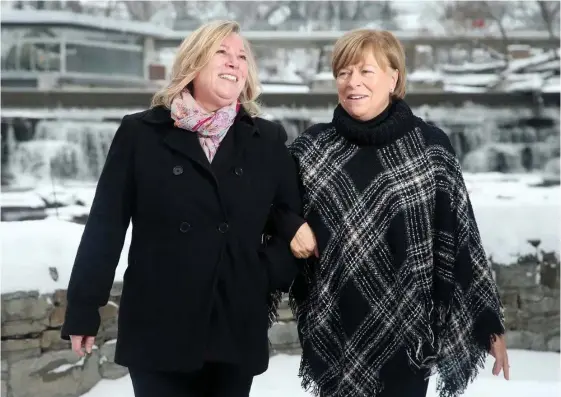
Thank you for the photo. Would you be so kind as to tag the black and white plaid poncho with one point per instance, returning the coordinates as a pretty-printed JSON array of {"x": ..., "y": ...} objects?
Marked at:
[{"x": 401, "y": 261}]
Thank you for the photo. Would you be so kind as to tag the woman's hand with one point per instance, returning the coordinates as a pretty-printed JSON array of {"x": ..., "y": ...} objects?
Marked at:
[
  {"x": 81, "y": 342},
  {"x": 304, "y": 244},
  {"x": 498, "y": 350}
]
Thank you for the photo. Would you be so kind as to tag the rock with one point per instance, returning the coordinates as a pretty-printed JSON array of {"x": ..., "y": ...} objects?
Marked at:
[
  {"x": 284, "y": 333},
  {"x": 51, "y": 340},
  {"x": 116, "y": 289},
  {"x": 56, "y": 318},
  {"x": 23, "y": 327},
  {"x": 553, "y": 344},
  {"x": 107, "y": 367},
  {"x": 549, "y": 274},
  {"x": 4, "y": 368},
  {"x": 550, "y": 173},
  {"x": 108, "y": 326},
  {"x": 547, "y": 325},
  {"x": 519, "y": 276},
  {"x": 509, "y": 297},
  {"x": 539, "y": 300},
  {"x": 525, "y": 340},
  {"x": 19, "y": 349},
  {"x": 284, "y": 303},
  {"x": 511, "y": 318},
  {"x": 285, "y": 315},
  {"x": 3, "y": 389},
  {"x": 25, "y": 306},
  {"x": 54, "y": 374},
  {"x": 291, "y": 350},
  {"x": 108, "y": 330},
  {"x": 109, "y": 311}
]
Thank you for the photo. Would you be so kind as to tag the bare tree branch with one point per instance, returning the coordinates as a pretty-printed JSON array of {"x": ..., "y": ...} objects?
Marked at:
[
  {"x": 549, "y": 11},
  {"x": 141, "y": 10}
]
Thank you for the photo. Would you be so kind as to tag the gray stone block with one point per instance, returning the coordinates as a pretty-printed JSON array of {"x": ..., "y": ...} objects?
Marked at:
[
  {"x": 283, "y": 333},
  {"x": 518, "y": 276},
  {"x": 107, "y": 366},
  {"x": 23, "y": 327},
  {"x": 553, "y": 344},
  {"x": 54, "y": 374},
  {"x": 5, "y": 369},
  {"x": 51, "y": 340},
  {"x": 25, "y": 306},
  {"x": 19, "y": 349},
  {"x": 526, "y": 340}
]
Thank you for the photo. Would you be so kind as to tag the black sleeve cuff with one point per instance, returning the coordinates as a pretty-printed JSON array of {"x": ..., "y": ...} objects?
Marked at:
[
  {"x": 286, "y": 223},
  {"x": 282, "y": 266},
  {"x": 487, "y": 326},
  {"x": 80, "y": 320}
]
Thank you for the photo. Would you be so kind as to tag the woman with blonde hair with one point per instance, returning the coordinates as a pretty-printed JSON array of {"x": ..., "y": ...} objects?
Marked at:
[
  {"x": 402, "y": 287},
  {"x": 197, "y": 175}
]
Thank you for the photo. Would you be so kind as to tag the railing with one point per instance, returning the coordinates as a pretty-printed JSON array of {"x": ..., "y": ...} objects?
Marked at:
[{"x": 72, "y": 56}]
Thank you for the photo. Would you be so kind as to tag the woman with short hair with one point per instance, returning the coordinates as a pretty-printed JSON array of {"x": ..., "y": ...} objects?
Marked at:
[{"x": 402, "y": 287}]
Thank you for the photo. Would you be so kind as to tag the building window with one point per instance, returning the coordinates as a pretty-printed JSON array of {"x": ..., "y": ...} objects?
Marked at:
[
  {"x": 85, "y": 58},
  {"x": 31, "y": 56}
]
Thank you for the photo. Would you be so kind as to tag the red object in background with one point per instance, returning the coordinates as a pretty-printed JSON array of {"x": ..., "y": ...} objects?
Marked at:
[
  {"x": 156, "y": 72},
  {"x": 478, "y": 23}
]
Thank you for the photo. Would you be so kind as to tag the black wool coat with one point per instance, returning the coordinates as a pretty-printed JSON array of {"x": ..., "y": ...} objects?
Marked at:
[{"x": 199, "y": 277}]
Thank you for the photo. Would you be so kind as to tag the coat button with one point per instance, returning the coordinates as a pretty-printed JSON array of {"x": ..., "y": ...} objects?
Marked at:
[
  {"x": 184, "y": 227},
  {"x": 223, "y": 227},
  {"x": 238, "y": 171},
  {"x": 177, "y": 170}
]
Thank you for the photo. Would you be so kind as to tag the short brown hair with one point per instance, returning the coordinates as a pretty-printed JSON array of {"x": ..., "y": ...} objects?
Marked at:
[{"x": 387, "y": 49}]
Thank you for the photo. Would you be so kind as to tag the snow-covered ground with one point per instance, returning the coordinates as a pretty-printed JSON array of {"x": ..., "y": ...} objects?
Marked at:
[
  {"x": 531, "y": 374},
  {"x": 508, "y": 208}
]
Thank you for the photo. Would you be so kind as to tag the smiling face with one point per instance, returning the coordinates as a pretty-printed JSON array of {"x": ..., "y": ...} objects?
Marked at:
[
  {"x": 220, "y": 82},
  {"x": 364, "y": 89}
]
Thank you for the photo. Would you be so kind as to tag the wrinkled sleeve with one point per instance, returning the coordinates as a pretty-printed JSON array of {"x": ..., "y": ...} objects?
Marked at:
[
  {"x": 282, "y": 266},
  {"x": 102, "y": 241}
]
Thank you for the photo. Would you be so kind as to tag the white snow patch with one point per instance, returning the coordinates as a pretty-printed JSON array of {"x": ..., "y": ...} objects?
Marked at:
[
  {"x": 531, "y": 373},
  {"x": 424, "y": 75},
  {"x": 509, "y": 211},
  {"x": 284, "y": 88},
  {"x": 68, "y": 367}
]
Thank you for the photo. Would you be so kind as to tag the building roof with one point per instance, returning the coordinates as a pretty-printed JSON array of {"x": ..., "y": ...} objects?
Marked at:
[
  {"x": 58, "y": 18},
  {"x": 66, "y": 18}
]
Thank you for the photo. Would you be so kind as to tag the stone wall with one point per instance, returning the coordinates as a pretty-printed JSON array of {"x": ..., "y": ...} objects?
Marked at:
[{"x": 36, "y": 362}]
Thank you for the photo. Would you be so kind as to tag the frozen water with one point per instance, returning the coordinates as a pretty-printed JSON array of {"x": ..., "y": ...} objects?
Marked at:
[{"x": 61, "y": 149}]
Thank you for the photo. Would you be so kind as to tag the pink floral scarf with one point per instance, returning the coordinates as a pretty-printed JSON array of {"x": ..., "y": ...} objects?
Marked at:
[{"x": 211, "y": 128}]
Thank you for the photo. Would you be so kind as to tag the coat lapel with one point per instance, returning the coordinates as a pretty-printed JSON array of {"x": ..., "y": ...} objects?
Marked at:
[
  {"x": 177, "y": 139},
  {"x": 244, "y": 130},
  {"x": 241, "y": 134},
  {"x": 187, "y": 142}
]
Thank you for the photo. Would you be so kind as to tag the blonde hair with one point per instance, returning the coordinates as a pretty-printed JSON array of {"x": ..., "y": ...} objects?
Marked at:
[
  {"x": 195, "y": 52},
  {"x": 387, "y": 49}
]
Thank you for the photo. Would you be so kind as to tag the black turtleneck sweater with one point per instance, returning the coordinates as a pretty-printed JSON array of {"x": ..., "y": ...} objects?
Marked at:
[{"x": 401, "y": 265}]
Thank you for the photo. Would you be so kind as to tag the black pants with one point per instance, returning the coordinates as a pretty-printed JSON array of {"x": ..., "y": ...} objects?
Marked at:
[{"x": 213, "y": 380}]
